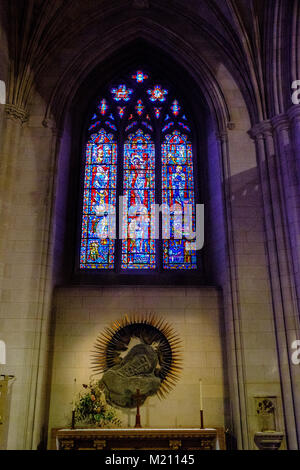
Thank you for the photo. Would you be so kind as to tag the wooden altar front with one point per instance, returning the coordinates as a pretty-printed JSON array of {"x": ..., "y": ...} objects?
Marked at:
[{"x": 139, "y": 439}]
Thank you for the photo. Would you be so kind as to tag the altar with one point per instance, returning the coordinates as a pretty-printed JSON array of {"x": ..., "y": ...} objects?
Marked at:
[{"x": 139, "y": 439}]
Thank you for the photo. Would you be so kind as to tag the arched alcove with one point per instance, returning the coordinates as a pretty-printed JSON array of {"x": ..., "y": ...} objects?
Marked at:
[
  {"x": 185, "y": 309},
  {"x": 125, "y": 60},
  {"x": 233, "y": 67}
]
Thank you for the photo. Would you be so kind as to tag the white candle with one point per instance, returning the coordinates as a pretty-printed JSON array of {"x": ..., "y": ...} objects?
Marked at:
[{"x": 201, "y": 396}]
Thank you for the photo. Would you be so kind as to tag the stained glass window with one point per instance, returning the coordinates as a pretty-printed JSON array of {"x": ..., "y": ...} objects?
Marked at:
[
  {"x": 121, "y": 110},
  {"x": 178, "y": 194},
  {"x": 99, "y": 202},
  {"x": 140, "y": 76},
  {"x": 167, "y": 126},
  {"x": 157, "y": 112},
  {"x": 103, "y": 106},
  {"x": 139, "y": 107},
  {"x": 185, "y": 127},
  {"x": 175, "y": 108},
  {"x": 157, "y": 93},
  {"x": 138, "y": 249},
  {"x": 154, "y": 164},
  {"x": 121, "y": 93},
  {"x": 93, "y": 126}
]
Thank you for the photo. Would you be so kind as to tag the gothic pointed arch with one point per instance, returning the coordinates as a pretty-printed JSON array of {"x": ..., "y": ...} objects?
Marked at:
[{"x": 138, "y": 147}]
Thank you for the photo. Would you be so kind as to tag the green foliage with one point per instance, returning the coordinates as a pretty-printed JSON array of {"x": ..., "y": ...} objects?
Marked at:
[{"x": 91, "y": 408}]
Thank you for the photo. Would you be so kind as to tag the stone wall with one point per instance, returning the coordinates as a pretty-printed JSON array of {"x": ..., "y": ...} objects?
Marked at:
[{"x": 195, "y": 313}]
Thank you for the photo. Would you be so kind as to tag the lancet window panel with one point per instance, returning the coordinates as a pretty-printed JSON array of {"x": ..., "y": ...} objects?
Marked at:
[
  {"x": 178, "y": 194},
  {"x": 99, "y": 202},
  {"x": 138, "y": 250}
]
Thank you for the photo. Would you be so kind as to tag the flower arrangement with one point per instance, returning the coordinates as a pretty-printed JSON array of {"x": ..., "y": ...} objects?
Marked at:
[{"x": 92, "y": 410}]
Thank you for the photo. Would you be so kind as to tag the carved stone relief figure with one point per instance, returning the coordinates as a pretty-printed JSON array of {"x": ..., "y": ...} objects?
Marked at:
[{"x": 136, "y": 371}]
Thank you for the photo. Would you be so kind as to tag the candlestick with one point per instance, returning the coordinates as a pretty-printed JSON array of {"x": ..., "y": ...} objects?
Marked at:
[
  {"x": 137, "y": 396},
  {"x": 201, "y": 420},
  {"x": 201, "y": 396},
  {"x": 73, "y": 420},
  {"x": 74, "y": 394}
]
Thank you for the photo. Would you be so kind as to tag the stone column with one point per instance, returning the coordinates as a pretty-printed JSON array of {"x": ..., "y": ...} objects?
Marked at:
[
  {"x": 293, "y": 115},
  {"x": 232, "y": 315},
  {"x": 281, "y": 275},
  {"x": 289, "y": 178},
  {"x": 12, "y": 121},
  {"x": 27, "y": 183},
  {"x": 40, "y": 387}
]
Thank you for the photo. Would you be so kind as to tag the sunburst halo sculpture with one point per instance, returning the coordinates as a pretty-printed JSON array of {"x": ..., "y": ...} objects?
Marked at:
[{"x": 150, "y": 330}]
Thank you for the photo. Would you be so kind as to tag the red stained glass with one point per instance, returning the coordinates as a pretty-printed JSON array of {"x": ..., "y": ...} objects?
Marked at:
[
  {"x": 157, "y": 93},
  {"x": 99, "y": 201},
  {"x": 121, "y": 93},
  {"x": 138, "y": 249},
  {"x": 140, "y": 76},
  {"x": 178, "y": 192}
]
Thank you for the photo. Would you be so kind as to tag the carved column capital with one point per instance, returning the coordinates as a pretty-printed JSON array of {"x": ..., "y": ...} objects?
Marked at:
[
  {"x": 230, "y": 125},
  {"x": 280, "y": 122},
  {"x": 16, "y": 112},
  {"x": 294, "y": 113},
  {"x": 256, "y": 132},
  {"x": 261, "y": 130},
  {"x": 222, "y": 136},
  {"x": 49, "y": 123}
]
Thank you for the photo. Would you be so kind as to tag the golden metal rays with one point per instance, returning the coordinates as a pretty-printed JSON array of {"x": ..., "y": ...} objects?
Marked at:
[{"x": 151, "y": 330}]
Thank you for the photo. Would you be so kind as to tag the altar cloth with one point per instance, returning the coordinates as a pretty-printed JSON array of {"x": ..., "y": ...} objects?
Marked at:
[{"x": 138, "y": 438}]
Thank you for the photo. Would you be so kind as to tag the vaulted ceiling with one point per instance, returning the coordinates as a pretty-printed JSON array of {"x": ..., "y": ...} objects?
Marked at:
[{"x": 54, "y": 44}]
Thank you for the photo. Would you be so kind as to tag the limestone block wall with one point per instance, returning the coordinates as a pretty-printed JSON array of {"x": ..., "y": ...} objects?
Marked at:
[
  {"x": 26, "y": 188},
  {"x": 195, "y": 313}
]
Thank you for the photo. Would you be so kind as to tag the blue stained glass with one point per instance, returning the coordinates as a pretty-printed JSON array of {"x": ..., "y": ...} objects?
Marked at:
[
  {"x": 93, "y": 126},
  {"x": 138, "y": 249},
  {"x": 121, "y": 111},
  {"x": 139, "y": 107},
  {"x": 177, "y": 192},
  {"x": 140, "y": 76},
  {"x": 130, "y": 126},
  {"x": 185, "y": 127},
  {"x": 157, "y": 93},
  {"x": 175, "y": 108},
  {"x": 157, "y": 112},
  {"x": 147, "y": 125},
  {"x": 103, "y": 106},
  {"x": 121, "y": 93},
  {"x": 111, "y": 125},
  {"x": 167, "y": 126},
  {"x": 99, "y": 201}
]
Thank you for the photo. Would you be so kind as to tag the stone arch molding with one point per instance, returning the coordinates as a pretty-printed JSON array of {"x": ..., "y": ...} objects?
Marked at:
[
  {"x": 91, "y": 55},
  {"x": 190, "y": 60}
]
